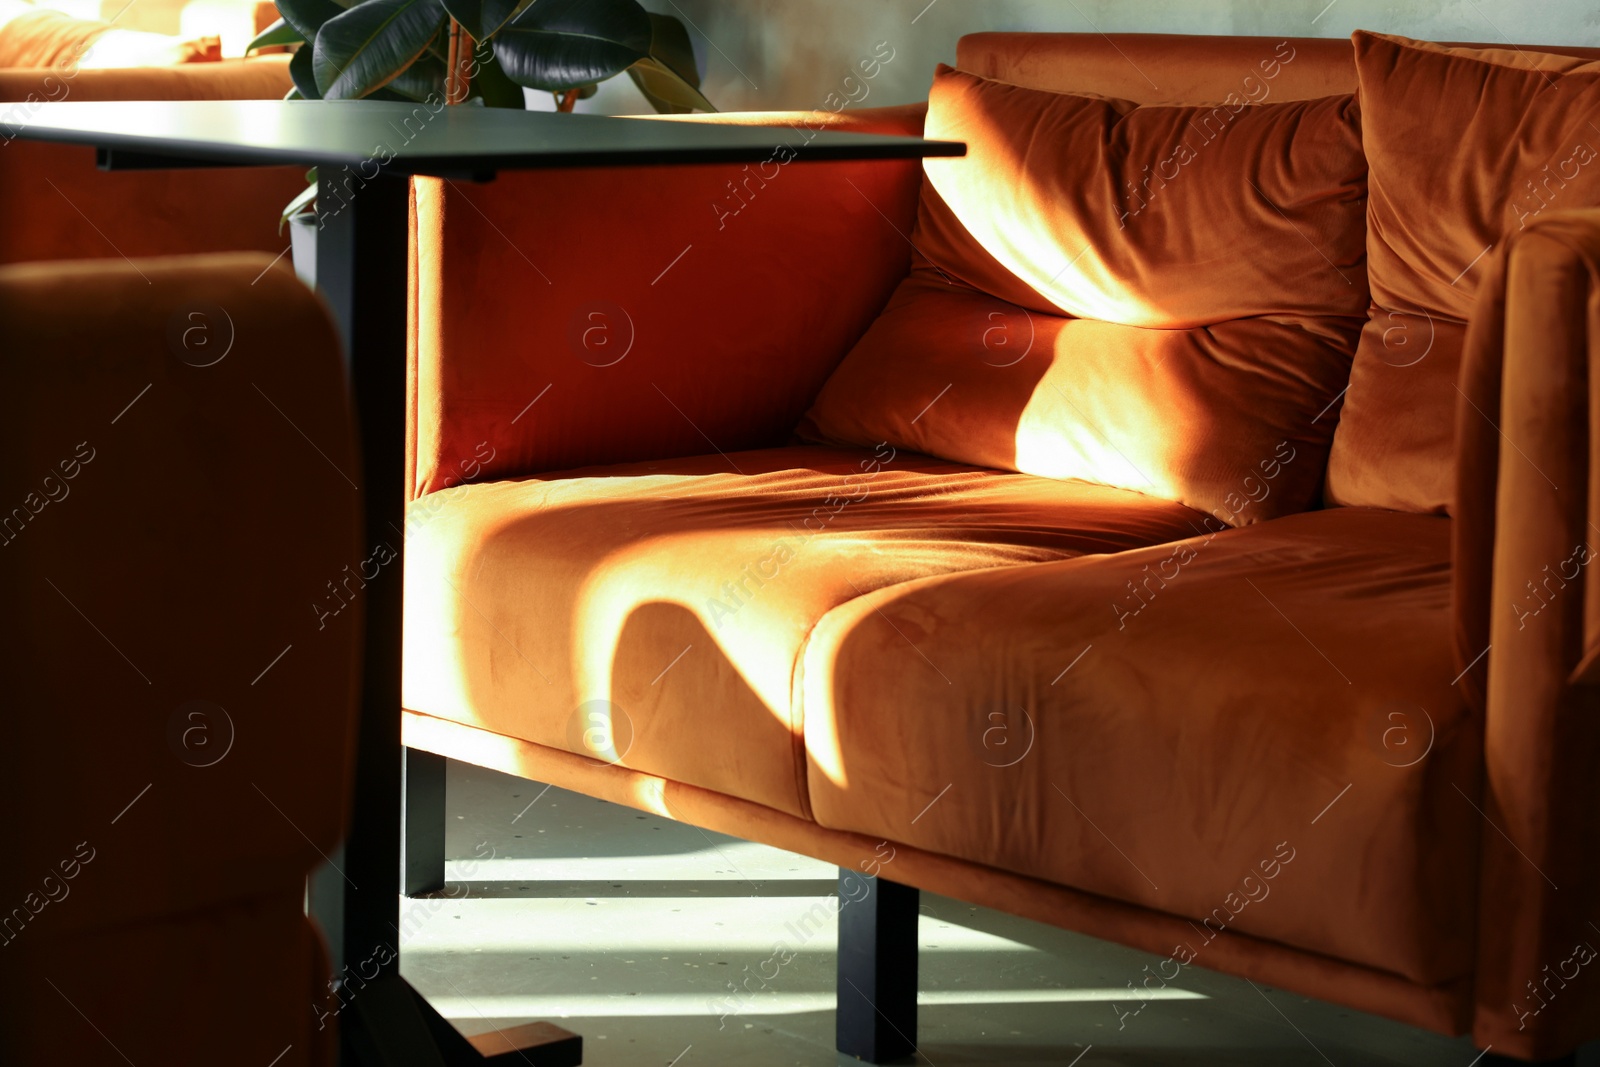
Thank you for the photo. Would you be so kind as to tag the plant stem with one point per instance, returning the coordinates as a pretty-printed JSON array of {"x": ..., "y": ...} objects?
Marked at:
[
  {"x": 567, "y": 100},
  {"x": 450, "y": 62},
  {"x": 459, "y": 77}
]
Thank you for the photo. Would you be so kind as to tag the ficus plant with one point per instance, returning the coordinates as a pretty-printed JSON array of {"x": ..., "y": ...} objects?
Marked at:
[
  {"x": 403, "y": 49},
  {"x": 482, "y": 52}
]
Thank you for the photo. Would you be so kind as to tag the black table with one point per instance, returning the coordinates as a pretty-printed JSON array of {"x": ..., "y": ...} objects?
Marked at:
[{"x": 365, "y": 152}]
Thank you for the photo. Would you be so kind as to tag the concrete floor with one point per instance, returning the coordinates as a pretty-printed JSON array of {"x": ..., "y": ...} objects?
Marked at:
[{"x": 628, "y": 928}]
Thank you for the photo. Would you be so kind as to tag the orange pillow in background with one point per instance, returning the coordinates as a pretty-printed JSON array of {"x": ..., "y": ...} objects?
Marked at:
[
  {"x": 42, "y": 38},
  {"x": 1169, "y": 217},
  {"x": 1224, "y": 419},
  {"x": 1465, "y": 146},
  {"x": 1215, "y": 312}
]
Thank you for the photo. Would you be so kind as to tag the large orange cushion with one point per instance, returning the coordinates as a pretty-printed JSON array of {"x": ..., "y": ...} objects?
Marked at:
[
  {"x": 1169, "y": 217},
  {"x": 1212, "y": 259},
  {"x": 682, "y": 591},
  {"x": 1217, "y": 729},
  {"x": 1206, "y": 417},
  {"x": 1465, "y": 145}
]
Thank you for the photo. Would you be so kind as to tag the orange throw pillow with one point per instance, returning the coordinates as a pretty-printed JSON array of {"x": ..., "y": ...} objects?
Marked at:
[
  {"x": 1163, "y": 299},
  {"x": 1465, "y": 146},
  {"x": 1168, "y": 217}
]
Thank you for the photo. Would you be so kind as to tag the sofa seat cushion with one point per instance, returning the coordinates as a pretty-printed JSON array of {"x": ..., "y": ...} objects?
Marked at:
[
  {"x": 1256, "y": 731},
  {"x": 653, "y": 613}
]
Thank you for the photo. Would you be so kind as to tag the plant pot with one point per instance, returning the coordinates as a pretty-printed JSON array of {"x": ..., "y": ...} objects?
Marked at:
[{"x": 303, "y": 242}]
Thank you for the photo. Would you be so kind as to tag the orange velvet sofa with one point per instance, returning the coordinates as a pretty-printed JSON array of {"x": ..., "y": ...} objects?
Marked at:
[
  {"x": 54, "y": 204},
  {"x": 1219, "y": 588},
  {"x": 180, "y": 733}
]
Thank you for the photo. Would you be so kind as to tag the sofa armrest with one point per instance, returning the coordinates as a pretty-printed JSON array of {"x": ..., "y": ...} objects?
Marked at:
[
  {"x": 177, "y": 500},
  {"x": 574, "y": 317},
  {"x": 1527, "y": 530}
]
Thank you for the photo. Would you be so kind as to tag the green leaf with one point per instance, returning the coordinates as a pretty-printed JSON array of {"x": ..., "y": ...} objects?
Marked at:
[
  {"x": 422, "y": 81},
  {"x": 307, "y": 16},
  {"x": 485, "y": 18},
  {"x": 497, "y": 13},
  {"x": 467, "y": 12},
  {"x": 294, "y": 94},
  {"x": 491, "y": 83},
  {"x": 305, "y": 80},
  {"x": 556, "y": 45},
  {"x": 278, "y": 33},
  {"x": 301, "y": 203},
  {"x": 371, "y": 44},
  {"x": 666, "y": 89},
  {"x": 669, "y": 43},
  {"x": 670, "y": 77}
]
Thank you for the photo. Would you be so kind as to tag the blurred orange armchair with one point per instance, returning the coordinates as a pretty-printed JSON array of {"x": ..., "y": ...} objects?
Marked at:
[{"x": 178, "y": 487}]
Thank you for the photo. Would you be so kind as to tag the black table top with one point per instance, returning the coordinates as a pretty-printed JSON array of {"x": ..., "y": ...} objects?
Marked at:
[{"x": 414, "y": 139}]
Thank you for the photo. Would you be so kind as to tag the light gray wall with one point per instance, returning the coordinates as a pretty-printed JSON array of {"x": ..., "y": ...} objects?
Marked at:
[{"x": 762, "y": 54}]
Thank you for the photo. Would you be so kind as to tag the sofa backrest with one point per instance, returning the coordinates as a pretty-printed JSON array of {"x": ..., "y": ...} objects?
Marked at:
[
  {"x": 1166, "y": 68},
  {"x": 1161, "y": 68},
  {"x": 23, "y": 88},
  {"x": 1168, "y": 278},
  {"x": 1395, "y": 442}
]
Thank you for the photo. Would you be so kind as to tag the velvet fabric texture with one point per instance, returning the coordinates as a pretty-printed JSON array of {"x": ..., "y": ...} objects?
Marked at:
[
  {"x": 1413, "y": 904},
  {"x": 1213, "y": 277},
  {"x": 676, "y": 595},
  {"x": 54, "y": 204},
  {"x": 1047, "y": 690},
  {"x": 1164, "y": 68},
  {"x": 181, "y": 754},
  {"x": 252, "y": 973},
  {"x": 587, "y": 364},
  {"x": 1467, "y": 146},
  {"x": 1165, "y": 217},
  {"x": 1528, "y": 617},
  {"x": 1203, "y": 417}
]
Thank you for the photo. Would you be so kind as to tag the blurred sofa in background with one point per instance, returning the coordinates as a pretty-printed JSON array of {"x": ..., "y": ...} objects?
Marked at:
[{"x": 54, "y": 204}]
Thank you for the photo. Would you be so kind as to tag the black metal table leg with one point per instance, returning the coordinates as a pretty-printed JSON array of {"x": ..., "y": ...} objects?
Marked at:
[
  {"x": 423, "y": 832},
  {"x": 362, "y": 249},
  {"x": 877, "y": 993}
]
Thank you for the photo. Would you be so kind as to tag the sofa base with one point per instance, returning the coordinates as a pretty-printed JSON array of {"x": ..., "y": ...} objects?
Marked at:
[
  {"x": 1444, "y": 1009},
  {"x": 877, "y": 982}
]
